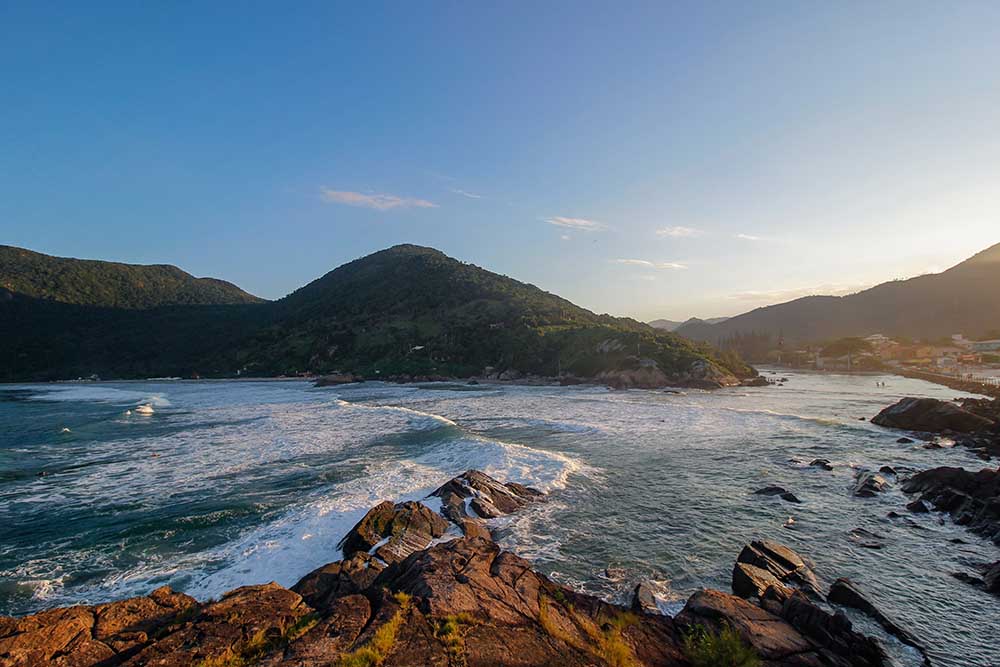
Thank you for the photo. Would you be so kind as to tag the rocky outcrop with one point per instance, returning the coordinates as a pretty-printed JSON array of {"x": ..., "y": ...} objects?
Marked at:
[
  {"x": 459, "y": 602},
  {"x": 82, "y": 636},
  {"x": 971, "y": 498},
  {"x": 394, "y": 531},
  {"x": 781, "y": 562},
  {"x": 846, "y": 594},
  {"x": 781, "y": 492},
  {"x": 930, "y": 415},
  {"x": 793, "y": 633}
]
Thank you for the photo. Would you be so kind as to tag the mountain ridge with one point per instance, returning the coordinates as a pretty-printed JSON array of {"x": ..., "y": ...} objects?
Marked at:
[
  {"x": 406, "y": 311},
  {"x": 963, "y": 299}
]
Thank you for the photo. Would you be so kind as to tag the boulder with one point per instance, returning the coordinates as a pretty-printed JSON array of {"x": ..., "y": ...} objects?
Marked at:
[
  {"x": 971, "y": 498},
  {"x": 930, "y": 415},
  {"x": 394, "y": 531},
  {"x": 845, "y": 593},
  {"x": 905, "y": 441},
  {"x": 866, "y": 538},
  {"x": 869, "y": 484},
  {"x": 783, "y": 563},
  {"x": 991, "y": 577}
]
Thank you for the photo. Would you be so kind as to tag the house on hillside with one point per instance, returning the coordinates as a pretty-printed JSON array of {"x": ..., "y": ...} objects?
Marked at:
[{"x": 986, "y": 345}]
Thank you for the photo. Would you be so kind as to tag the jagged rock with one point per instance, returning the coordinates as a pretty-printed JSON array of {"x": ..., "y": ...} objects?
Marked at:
[
  {"x": 321, "y": 587},
  {"x": 972, "y": 498},
  {"x": 905, "y": 441},
  {"x": 759, "y": 381},
  {"x": 406, "y": 527},
  {"x": 821, "y": 463},
  {"x": 887, "y": 470},
  {"x": 81, "y": 636},
  {"x": 845, "y": 593},
  {"x": 991, "y": 577},
  {"x": 751, "y": 581},
  {"x": 787, "y": 496},
  {"x": 833, "y": 632},
  {"x": 487, "y": 498},
  {"x": 786, "y": 565},
  {"x": 930, "y": 415},
  {"x": 869, "y": 484}
]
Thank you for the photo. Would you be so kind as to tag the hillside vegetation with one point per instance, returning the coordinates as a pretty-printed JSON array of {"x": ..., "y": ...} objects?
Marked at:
[
  {"x": 110, "y": 284},
  {"x": 407, "y": 310}
]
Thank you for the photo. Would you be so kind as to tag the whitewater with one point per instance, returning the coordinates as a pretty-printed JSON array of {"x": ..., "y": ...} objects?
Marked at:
[{"x": 227, "y": 483}]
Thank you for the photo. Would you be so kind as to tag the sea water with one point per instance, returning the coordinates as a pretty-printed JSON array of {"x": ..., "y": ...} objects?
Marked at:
[{"x": 243, "y": 482}]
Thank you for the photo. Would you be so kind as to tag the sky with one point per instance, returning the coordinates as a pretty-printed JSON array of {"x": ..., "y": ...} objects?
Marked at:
[{"x": 654, "y": 160}]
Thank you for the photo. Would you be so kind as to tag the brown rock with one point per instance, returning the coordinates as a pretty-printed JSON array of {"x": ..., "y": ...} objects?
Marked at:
[
  {"x": 408, "y": 527},
  {"x": 786, "y": 565},
  {"x": 321, "y": 587},
  {"x": 972, "y": 498},
  {"x": 751, "y": 581}
]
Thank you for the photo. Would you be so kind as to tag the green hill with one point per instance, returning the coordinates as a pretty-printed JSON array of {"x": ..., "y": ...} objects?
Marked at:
[
  {"x": 407, "y": 310},
  {"x": 111, "y": 284}
]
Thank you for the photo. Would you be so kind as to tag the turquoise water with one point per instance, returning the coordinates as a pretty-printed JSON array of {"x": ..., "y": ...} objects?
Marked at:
[{"x": 230, "y": 483}]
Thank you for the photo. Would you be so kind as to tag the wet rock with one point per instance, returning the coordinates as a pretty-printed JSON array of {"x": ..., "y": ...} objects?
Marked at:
[
  {"x": 833, "y": 632},
  {"x": 905, "y": 441},
  {"x": 476, "y": 495},
  {"x": 930, "y": 415},
  {"x": 321, "y": 587},
  {"x": 866, "y": 538},
  {"x": 887, "y": 470},
  {"x": 759, "y": 381},
  {"x": 397, "y": 530},
  {"x": 821, "y": 463},
  {"x": 991, "y": 577},
  {"x": 643, "y": 599},
  {"x": 783, "y": 563},
  {"x": 917, "y": 507},
  {"x": 770, "y": 491},
  {"x": 847, "y": 594},
  {"x": 971, "y": 498},
  {"x": 83, "y": 636},
  {"x": 869, "y": 484}
]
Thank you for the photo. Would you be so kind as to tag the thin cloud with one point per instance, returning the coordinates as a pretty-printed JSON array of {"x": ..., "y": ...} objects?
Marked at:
[
  {"x": 782, "y": 295},
  {"x": 464, "y": 193},
  {"x": 677, "y": 232},
  {"x": 749, "y": 237},
  {"x": 672, "y": 266},
  {"x": 580, "y": 224},
  {"x": 566, "y": 237},
  {"x": 378, "y": 200}
]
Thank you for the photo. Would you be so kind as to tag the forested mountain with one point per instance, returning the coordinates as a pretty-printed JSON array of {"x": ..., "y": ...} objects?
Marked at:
[
  {"x": 404, "y": 310},
  {"x": 963, "y": 299},
  {"x": 111, "y": 284}
]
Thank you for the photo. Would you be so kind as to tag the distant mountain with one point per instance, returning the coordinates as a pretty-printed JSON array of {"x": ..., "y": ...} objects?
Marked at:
[
  {"x": 963, "y": 299},
  {"x": 110, "y": 284},
  {"x": 672, "y": 325},
  {"x": 407, "y": 310}
]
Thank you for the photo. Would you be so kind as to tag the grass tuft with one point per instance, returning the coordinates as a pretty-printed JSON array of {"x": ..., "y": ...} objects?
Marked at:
[
  {"x": 722, "y": 649},
  {"x": 380, "y": 645}
]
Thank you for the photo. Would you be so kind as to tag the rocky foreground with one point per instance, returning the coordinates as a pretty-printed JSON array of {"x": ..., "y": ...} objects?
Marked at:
[{"x": 418, "y": 587}]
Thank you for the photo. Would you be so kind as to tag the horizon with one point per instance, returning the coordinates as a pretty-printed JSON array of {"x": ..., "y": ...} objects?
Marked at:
[{"x": 651, "y": 162}]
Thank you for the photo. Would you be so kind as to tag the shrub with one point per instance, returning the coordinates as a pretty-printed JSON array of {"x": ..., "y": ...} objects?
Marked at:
[{"x": 723, "y": 649}]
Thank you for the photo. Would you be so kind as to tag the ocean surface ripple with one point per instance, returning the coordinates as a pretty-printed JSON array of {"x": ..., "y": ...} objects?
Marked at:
[{"x": 233, "y": 483}]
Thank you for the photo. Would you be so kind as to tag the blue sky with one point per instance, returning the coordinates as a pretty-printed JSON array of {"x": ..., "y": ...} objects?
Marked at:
[{"x": 652, "y": 160}]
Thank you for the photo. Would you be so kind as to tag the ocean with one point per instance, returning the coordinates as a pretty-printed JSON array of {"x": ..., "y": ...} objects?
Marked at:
[{"x": 229, "y": 483}]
